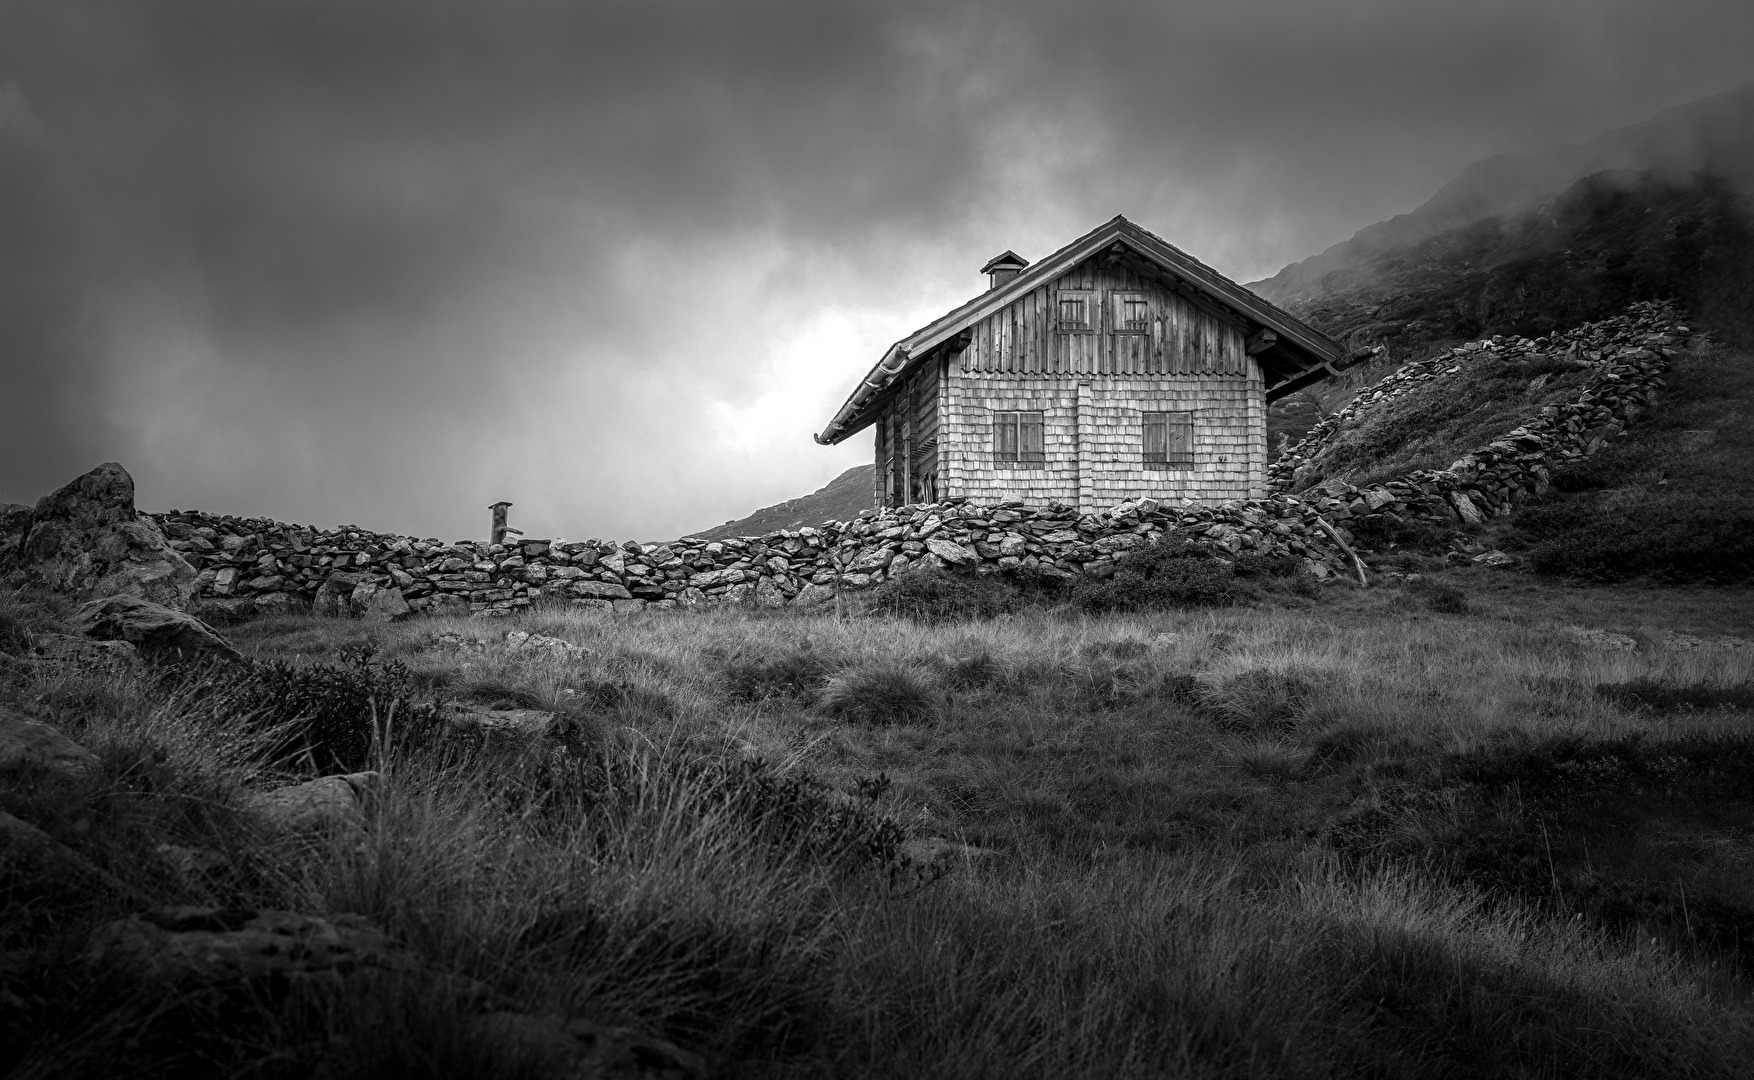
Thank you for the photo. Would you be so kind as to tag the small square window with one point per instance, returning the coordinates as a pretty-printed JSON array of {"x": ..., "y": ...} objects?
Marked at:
[
  {"x": 1077, "y": 311},
  {"x": 1132, "y": 313},
  {"x": 1168, "y": 439},
  {"x": 1018, "y": 439}
]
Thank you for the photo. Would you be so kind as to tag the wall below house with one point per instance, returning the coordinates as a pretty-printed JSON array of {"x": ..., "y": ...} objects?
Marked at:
[{"x": 1094, "y": 439}]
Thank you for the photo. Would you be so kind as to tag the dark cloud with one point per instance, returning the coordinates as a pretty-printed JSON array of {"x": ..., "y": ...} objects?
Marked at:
[{"x": 387, "y": 262}]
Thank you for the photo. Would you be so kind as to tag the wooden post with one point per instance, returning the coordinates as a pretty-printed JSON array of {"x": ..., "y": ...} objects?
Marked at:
[{"x": 497, "y": 535}]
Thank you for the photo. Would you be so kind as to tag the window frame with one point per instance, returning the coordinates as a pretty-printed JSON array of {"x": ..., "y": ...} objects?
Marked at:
[
  {"x": 1018, "y": 422},
  {"x": 1118, "y": 324},
  {"x": 1092, "y": 301},
  {"x": 1167, "y": 420}
]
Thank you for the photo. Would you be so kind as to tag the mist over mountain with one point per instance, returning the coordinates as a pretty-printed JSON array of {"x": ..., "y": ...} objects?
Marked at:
[{"x": 1712, "y": 137}]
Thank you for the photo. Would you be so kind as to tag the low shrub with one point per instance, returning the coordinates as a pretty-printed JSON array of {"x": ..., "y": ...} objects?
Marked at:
[
  {"x": 1166, "y": 575},
  {"x": 1682, "y": 540},
  {"x": 1252, "y": 564},
  {"x": 1607, "y": 468},
  {"x": 930, "y": 595},
  {"x": 885, "y": 692},
  {"x": 324, "y": 717}
]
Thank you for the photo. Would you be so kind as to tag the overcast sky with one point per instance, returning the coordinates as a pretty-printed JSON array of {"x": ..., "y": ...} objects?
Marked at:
[{"x": 386, "y": 263}]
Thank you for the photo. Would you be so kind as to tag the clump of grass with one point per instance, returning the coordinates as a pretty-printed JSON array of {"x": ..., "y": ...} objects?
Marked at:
[
  {"x": 1119, "y": 649},
  {"x": 930, "y": 595},
  {"x": 1258, "y": 700},
  {"x": 1270, "y": 759},
  {"x": 1440, "y": 596},
  {"x": 887, "y": 691},
  {"x": 796, "y": 674},
  {"x": 972, "y": 665}
]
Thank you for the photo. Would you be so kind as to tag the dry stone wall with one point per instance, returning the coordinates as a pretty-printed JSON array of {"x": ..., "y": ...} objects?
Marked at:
[{"x": 273, "y": 565}]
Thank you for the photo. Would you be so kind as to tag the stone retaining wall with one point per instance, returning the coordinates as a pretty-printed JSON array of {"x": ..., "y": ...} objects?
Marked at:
[{"x": 272, "y": 565}]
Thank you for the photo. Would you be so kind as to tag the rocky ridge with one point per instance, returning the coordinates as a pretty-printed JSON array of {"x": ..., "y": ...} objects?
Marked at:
[
  {"x": 272, "y": 565},
  {"x": 1626, "y": 355}
]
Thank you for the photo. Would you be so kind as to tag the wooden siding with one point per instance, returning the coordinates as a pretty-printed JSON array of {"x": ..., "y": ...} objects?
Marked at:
[
  {"x": 907, "y": 427},
  {"x": 1026, "y": 336}
]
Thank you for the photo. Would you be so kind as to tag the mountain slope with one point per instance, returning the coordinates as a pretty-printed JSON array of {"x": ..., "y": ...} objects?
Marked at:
[
  {"x": 1714, "y": 136},
  {"x": 840, "y": 499}
]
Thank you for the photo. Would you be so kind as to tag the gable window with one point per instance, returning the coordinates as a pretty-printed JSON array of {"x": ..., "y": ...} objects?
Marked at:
[
  {"x": 1017, "y": 439},
  {"x": 1077, "y": 312},
  {"x": 1169, "y": 439},
  {"x": 1132, "y": 313}
]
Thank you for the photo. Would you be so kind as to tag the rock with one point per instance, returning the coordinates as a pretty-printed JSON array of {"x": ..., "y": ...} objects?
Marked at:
[
  {"x": 1495, "y": 559},
  {"x": 937, "y": 851},
  {"x": 711, "y": 579},
  {"x": 87, "y": 540},
  {"x": 599, "y": 590},
  {"x": 1600, "y": 639},
  {"x": 1675, "y": 640},
  {"x": 329, "y": 802},
  {"x": 510, "y": 721},
  {"x": 64, "y": 652},
  {"x": 382, "y": 604},
  {"x": 1465, "y": 508},
  {"x": 768, "y": 594},
  {"x": 157, "y": 631},
  {"x": 14, "y": 522},
  {"x": 193, "y": 947},
  {"x": 334, "y": 595},
  {"x": 950, "y": 551},
  {"x": 31, "y": 744},
  {"x": 25, "y": 847},
  {"x": 581, "y": 1048},
  {"x": 813, "y": 595}
]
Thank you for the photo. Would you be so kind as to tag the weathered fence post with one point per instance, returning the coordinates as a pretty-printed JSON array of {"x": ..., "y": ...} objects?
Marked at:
[{"x": 497, "y": 535}]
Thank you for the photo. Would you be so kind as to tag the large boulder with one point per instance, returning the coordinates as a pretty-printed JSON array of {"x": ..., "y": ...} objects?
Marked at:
[
  {"x": 326, "y": 803},
  {"x": 14, "y": 522},
  {"x": 87, "y": 540},
  {"x": 153, "y": 629},
  {"x": 32, "y": 744}
]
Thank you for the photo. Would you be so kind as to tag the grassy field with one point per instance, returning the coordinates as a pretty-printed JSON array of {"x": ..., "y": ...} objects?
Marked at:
[{"x": 1347, "y": 836}]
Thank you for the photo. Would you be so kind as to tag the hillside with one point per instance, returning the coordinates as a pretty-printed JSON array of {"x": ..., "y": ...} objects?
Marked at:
[
  {"x": 1713, "y": 136},
  {"x": 840, "y": 499}
]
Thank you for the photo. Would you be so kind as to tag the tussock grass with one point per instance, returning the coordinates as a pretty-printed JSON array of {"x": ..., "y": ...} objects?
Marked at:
[{"x": 1358, "y": 839}]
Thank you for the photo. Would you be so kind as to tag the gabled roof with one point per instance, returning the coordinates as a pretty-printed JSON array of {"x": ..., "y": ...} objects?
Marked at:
[{"x": 1292, "y": 354}]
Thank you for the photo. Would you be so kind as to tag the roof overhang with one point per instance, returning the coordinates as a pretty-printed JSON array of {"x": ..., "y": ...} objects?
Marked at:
[{"x": 1291, "y": 353}]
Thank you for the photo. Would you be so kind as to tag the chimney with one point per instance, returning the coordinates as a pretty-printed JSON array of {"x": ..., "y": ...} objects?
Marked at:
[
  {"x": 497, "y": 534},
  {"x": 1003, "y": 267}
]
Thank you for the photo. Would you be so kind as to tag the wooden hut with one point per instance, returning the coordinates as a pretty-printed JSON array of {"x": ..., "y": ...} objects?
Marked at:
[{"x": 1114, "y": 368}]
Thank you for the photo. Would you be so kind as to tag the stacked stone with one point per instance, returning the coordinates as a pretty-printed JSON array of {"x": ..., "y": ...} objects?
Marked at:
[
  {"x": 1653, "y": 326},
  {"x": 276, "y": 566},
  {"x": 272, "y": 565}
]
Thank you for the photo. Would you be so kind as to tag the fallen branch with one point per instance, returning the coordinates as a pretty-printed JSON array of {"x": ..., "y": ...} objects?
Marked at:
[{"x": 1357, "y": 563}]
